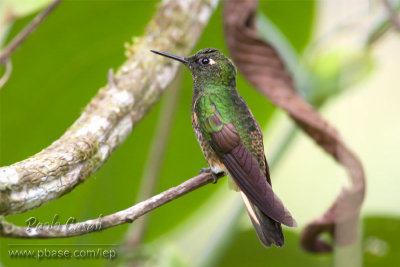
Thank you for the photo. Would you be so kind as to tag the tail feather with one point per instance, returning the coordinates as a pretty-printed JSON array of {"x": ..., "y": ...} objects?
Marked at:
[{"x": 268, "y": 231}]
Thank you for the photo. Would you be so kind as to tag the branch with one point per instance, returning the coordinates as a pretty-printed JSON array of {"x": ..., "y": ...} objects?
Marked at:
[
  {"x": 124, "y": 216},
  {"x": 7, "y": 73},
  {"x": 6, "y": 53},
  {"x": 111, "y": 115}
]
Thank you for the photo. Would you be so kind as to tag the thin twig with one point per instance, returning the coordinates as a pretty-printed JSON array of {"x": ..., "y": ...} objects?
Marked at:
[
  {"x": 152, "y": 169},
  {"x": 121, "y": 217},
  {"x": 7, "y": 74},
  {"x": 6, "y": 53},
  {"x": 394, "y": 17}
]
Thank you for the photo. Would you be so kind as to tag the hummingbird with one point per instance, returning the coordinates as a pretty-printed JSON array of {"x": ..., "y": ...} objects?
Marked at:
[{"x": 232, "y": 141}]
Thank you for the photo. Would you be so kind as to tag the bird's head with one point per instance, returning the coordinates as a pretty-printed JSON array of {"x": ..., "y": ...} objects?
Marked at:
[{"x": 208, "y": 66}]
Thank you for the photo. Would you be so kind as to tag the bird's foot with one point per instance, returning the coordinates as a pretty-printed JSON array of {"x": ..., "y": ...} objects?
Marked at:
[
  {"x": 209, "y": 170},
  {"x": 203, "y": 170}
]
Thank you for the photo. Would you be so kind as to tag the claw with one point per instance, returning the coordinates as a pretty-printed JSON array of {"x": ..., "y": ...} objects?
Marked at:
[
  {"x": 203, "y": 170},
  {"x": 209, "y": 170}
]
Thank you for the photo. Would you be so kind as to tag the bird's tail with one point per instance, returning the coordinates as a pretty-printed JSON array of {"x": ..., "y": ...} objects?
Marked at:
[{"x": 268, "y": 231}]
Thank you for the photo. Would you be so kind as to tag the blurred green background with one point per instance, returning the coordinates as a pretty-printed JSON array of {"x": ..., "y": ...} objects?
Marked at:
[{"x": 60, "y": 67}]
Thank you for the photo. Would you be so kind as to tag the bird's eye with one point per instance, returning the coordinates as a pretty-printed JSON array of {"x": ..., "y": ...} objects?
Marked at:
[{"x": 204, "y": 61}]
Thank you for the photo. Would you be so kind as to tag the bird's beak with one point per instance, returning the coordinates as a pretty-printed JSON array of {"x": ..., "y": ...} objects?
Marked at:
[{"x": 181, "y": 59}]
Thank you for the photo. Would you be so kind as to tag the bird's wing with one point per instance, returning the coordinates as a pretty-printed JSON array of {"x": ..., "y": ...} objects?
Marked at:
[{"x": 243, "y": 167}]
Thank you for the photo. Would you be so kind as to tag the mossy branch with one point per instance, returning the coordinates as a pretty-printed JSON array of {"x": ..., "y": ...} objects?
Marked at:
[{"x": 112, "y": 113}]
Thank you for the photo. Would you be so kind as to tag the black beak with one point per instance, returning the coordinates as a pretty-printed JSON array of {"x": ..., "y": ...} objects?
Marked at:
[{"x": 181, "y": 59}]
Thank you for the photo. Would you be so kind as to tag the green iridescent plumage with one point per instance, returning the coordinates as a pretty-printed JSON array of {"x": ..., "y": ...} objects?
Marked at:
[{"x": 232, "y": 142}]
